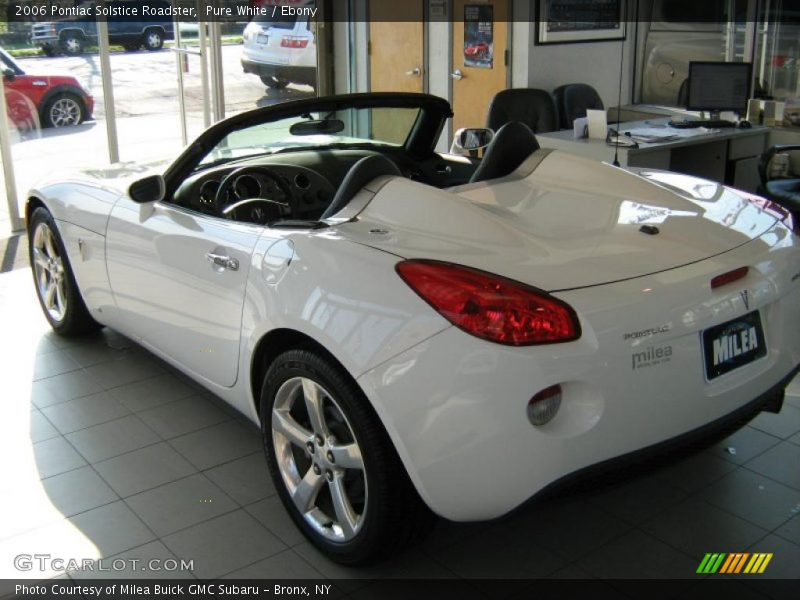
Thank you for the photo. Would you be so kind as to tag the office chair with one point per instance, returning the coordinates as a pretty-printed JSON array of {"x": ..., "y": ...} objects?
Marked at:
[
  {"x": 785, "y": 191},
  {"x": 573, "y": 100},
  {"x": 534, "y": 108}
]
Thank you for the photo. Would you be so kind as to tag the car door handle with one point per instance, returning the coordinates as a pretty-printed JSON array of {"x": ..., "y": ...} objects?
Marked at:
[{"x": 225, "y": 262}]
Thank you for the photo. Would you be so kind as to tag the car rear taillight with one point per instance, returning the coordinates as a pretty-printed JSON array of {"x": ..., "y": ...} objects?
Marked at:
[
  {"x": 489, "y": 306},
  {"x": 294, "y": 42}
]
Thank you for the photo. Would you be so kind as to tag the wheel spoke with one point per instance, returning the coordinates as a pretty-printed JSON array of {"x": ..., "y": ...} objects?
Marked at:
[
  {"x": 49, "y": 246},
  {"x": 40, "y": 260},
  {"x": 313, "y": 398},
  {"x": 283, "y": 423},
  {"x": 50, "y": 294},
  {"x": 348, "y": 456},
  {"x": 60, "y": 296},
  {"x": 345, "y": 515},
  {"x": 305, "y": 494}
]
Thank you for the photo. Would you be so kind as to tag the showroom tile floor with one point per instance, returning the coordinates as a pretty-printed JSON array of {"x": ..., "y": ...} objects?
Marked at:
[{"x": 108, "y": 452}]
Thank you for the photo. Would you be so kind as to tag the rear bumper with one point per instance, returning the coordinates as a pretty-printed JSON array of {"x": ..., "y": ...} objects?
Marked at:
[
  {"x": 305, "y": 75},
  {"x": 770, "y": 401}
]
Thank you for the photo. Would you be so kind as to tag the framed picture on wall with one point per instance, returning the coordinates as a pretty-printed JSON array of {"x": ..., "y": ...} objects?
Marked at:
[{"x": 569, "y": 21}]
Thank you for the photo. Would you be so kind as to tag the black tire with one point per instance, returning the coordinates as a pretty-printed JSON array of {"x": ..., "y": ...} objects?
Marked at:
[
  {"x": 72, "y": 44},
  {"x": 153, "y": 40},
  {"x": 276, "y": 83},
  {"x": 63, "y": 110},
  {"x": 76, "y": 319},
  {"x": 394, "y": 516}
]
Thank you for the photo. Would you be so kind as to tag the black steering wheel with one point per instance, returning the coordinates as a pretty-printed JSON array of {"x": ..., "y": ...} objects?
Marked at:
[{"x": 241, "y": 196}]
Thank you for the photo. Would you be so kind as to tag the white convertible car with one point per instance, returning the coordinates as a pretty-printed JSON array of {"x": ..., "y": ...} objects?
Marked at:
[{"x": 422, "y": 333}]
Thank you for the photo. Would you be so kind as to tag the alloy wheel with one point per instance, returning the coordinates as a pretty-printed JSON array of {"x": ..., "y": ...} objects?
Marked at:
[
  {"x": 319, "y": 459},
  {"x": 65, "y": 112},
  {"x": 48, "y": 267}
]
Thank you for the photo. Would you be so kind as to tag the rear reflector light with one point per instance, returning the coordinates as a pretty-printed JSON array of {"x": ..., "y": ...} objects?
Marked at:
[
  {"x": 544, "y": 405},
  {"x": 489, "y": 306},
  {"x": 294, "y": 42},
  {"x": 729, "y": 277}
]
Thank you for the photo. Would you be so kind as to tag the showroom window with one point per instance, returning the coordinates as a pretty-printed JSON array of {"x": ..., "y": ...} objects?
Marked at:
[
  {"x": 777, "y": 56},
  {"x": 165, "y": 81}
]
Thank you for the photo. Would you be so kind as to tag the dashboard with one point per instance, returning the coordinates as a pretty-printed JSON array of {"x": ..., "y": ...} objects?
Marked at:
[{"x": 299, "y": 185}]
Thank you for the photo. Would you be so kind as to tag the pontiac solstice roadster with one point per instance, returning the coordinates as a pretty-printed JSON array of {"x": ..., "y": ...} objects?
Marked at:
[{"x": 421, "y": 333}]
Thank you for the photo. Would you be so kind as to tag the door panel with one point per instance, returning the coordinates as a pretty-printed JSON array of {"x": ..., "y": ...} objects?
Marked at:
[
  {"x": 478, "y": 85},
  {"x": 396, "y": 57},
  {"x": 168, "y": 291}
]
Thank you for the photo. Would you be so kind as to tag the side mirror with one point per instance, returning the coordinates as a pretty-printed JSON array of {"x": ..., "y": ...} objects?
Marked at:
[
  {"x": 149, "y": 189},
  {"x": 467, "y": 141},
  {"x": 8, "y": 74}
]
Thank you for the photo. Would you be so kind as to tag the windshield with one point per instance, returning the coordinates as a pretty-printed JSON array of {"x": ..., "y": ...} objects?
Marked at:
[{"x": 335, "y": 129}]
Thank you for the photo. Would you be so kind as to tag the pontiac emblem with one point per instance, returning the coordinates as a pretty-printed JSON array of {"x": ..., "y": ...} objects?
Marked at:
[{"x": 745, "y": 298}]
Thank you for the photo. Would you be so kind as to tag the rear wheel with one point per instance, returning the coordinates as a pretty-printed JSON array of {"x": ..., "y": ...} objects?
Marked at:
[
  {"x": 153, "y": 39},
  {"x": 333, "y": 464},
  {"x": 55, "y": 284},
  {"x": 276, "y": 83},
  {"x": 72, "y": 44}
]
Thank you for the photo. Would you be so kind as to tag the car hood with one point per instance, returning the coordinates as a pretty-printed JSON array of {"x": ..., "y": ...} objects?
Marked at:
[{"x": 571, "y": 223}]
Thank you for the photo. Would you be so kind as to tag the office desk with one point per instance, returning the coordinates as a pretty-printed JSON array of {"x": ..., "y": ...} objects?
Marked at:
[{"x": 728, "y": 155}]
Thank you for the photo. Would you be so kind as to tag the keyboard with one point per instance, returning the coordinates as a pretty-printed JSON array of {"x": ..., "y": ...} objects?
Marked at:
[{"x": 706, "y": 124}]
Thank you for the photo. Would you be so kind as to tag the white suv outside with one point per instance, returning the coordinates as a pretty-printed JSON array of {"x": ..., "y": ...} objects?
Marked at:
[{"x": 281, "y": 51}]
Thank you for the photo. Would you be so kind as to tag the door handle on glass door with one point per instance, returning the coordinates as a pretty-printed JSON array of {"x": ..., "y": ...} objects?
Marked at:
[{"x": 225, "y": 262}]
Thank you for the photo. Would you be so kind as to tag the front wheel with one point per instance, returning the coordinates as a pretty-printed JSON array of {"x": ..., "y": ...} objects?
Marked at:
[
  {"x": 55, "y": 283},
  {"x": 63, "y": 110},
  {"x": 276, "y": 83},
  {"x": 333, "y": 464},
  {"x": 153, "y": 40}
]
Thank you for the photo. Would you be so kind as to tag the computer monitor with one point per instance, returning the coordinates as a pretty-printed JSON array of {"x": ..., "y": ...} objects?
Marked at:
[{"x": 718, "y": 86}]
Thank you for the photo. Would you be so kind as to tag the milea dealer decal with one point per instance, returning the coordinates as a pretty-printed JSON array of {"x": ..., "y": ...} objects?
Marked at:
[{"x": 650, "y": 357}]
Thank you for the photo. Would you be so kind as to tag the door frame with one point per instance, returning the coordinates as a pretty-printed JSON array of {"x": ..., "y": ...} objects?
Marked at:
[{"x": 451, "y": 36}]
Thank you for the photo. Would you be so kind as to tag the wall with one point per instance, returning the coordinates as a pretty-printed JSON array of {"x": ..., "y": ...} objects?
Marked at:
[{"x": 594, "y": 63}]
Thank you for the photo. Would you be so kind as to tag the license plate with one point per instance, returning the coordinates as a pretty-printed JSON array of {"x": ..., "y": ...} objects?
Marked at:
[
  {"x": 262, "y": 39},
  {"x": 733, "y": 344}
]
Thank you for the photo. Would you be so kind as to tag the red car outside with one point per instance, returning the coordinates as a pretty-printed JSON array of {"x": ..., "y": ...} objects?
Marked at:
[
  {"x": 477, "y": 50},
  {"x": 49, "y": 100}
]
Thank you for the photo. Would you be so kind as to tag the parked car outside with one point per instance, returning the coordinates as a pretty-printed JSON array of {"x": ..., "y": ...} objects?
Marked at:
[
  {"x": 52, "y": 100},
  {"x": 72, "y": 36},
  {"x": 281, "y": 52}
]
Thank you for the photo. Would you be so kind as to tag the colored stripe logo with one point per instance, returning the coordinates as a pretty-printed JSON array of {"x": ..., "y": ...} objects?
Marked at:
[{"x": 735, "y": 562}]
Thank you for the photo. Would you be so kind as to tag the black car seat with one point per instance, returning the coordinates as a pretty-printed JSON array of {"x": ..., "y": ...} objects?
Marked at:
[
  {"x": 360, "y": 174},
  {"x": 512, "y": 144}
]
